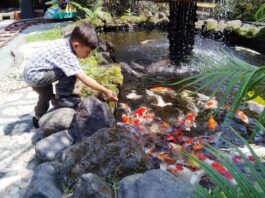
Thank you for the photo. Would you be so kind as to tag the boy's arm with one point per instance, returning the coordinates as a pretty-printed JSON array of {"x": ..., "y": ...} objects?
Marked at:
[{"x": 88, "y": 81}]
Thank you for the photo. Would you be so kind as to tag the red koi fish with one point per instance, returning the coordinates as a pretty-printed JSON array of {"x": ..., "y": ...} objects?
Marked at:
[
  {"x": 212, "y": 104},
  {"x": 140, "y": 111},
  {"x": 242, "y": 116}
]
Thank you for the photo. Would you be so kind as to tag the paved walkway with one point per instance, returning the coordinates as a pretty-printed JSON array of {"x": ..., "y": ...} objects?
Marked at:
[{"x": 17, "y": 135}]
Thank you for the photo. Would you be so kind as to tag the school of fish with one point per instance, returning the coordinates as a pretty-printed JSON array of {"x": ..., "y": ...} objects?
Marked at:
[{"x": 165, "y": 142}]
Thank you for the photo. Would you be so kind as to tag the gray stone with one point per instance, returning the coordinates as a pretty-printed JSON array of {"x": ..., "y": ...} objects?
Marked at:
[
  {"x": 90, "y": 185},
  {"x": 92, "y": 115},
  {"x": 49, "y": 148},
  {"x": 57, "y": 120},
  {"x": 44, "y": 183},
  {"x": 154, "y": 184},
  {"x": 110, "y": 153}
]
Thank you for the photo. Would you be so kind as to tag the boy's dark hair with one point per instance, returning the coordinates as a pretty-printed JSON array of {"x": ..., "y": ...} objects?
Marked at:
[{"x": 85, "y": 34}]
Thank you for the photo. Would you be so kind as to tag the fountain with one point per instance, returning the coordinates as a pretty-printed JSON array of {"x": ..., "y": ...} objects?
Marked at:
[{"x": 181, "y": 29}]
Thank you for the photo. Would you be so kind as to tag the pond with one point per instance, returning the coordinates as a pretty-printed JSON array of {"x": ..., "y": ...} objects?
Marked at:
[{"x": 166, "y": 117}]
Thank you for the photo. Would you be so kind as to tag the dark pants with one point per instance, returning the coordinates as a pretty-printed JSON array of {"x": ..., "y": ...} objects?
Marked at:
[{"x": 64, "y": 87}]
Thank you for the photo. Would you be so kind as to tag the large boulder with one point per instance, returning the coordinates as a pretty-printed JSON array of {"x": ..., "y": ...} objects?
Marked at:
[
  {"x": 57, "y": 120},
  {"x": 44, "y": 182},
  {"x": 92, "y": 115},
  {"x": 48, "y": 149},
  {"x": 110, "y": 153},
  {"x": 154, "y": 184},
  {"x": 90, "y": 185}
]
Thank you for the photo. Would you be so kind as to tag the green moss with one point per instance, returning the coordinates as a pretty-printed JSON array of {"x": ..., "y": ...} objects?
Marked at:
[
  {"x": 260, "y": 34},
  {"x": 133, "y": 19},
  {"x": 45, "y": 35},
  {"x": 110, "y": 77},
  {"x": 247, "y": 31}
]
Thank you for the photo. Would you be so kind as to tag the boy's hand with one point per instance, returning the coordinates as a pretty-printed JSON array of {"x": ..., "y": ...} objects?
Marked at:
[{"x": 111, "y": 96}]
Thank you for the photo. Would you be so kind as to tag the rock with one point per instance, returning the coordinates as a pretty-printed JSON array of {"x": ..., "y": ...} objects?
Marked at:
[
  {"x": 233, "y": 25},
  {"x": 110, "y": 153},
  {"x": 90, "y": 185},
  {"x": 49, "y": 148},
  {"x": 92, "y": 115},
  {"x": 154, "y": 184},
  {"x": 221, "y": 26},
  {"x": 199, "y": 24},
  {"x": 255, "y": 107},
  {"x": 211, "y": 24},
  {"x": 44, "y": 182},
  {"x": 57, "y": 120}
]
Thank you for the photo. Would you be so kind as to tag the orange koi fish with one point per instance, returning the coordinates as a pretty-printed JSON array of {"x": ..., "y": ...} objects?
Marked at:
[
  {"x": 212, "y": 124},
  {"x": 161, "y": 89},
  {"x": 126, "y": 119},
  {"x": 242, "y": 116}
]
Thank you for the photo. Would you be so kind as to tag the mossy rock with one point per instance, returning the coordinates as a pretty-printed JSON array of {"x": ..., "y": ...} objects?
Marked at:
[
  {"x": 247, "y": 30},
  {"x": 260, "y": 34},
  {"x": 211, "y": 25},
  {"x": 109, "y": 76},
  {"x": 133, "y": 19}
]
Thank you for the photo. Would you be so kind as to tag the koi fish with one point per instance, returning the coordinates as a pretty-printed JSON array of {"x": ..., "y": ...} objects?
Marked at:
[
  {"x": 242, "y": 116},
  {"x": 125, "y": 107},
  {"x": 161, "y": 89},
  {"x": 140, "y": 111},
  {"x": 212, "y": 124},
  {"x": 126, "y": 119},
  {"x": 132, "y": 130},
  {"x": 190, "y": 120},
  {"x": 212, "y": 104}
]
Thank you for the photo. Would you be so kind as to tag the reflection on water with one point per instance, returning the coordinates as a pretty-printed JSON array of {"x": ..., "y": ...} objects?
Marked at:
[{"x": 145, "y": 47}]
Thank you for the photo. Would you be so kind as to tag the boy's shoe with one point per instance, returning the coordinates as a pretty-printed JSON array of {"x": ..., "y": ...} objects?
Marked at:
[
  {"x": 35, "y": 122},
  {"x": 66, "y": 101}
]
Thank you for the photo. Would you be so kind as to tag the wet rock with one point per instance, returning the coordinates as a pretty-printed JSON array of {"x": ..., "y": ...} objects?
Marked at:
[
  {"x": 44, "y": 182},
  {"x": 128, "y": 72},
  {"x": 90, "y": 185},
  {"x": 154, "y": 184},
  {"x": 57, "y": 120},
  {"x": 110, "y": 152},
  {"x": 92, "y": 115},
  {"x": 49, "y": 148}
]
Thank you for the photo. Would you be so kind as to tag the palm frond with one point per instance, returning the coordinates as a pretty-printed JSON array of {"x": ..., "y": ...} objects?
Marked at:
[
  {"x": 246, "y": 186},
  {"x": 260, "y": 14},
  {"x": 235, "y": 76}
]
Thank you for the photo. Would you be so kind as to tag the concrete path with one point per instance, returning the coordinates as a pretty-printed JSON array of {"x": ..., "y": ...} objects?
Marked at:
[{"x": 17, "y": 101}]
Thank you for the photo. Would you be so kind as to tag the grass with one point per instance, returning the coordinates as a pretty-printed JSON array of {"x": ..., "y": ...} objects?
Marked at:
[{"x": 45, "y": 35}]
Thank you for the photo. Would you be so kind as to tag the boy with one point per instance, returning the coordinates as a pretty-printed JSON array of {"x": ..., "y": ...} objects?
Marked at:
[{"x": 59, "y": 62}]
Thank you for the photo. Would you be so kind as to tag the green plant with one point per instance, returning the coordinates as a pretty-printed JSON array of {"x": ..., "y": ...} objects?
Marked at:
[
  {"x": 233, "y": 73},
  {"x": 246, "y": 186},
  {"x": 260, "y": 14},
  {"x": 45, "y": 35}
]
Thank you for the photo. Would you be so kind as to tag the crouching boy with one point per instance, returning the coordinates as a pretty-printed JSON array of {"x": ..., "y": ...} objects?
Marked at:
[{"x": 59, "y": 62}]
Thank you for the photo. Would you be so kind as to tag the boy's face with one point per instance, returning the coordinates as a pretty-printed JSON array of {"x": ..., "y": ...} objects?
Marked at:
[{"x": 81, "y": 50}]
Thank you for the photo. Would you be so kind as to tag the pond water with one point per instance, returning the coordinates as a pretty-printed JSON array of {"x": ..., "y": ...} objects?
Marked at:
[
  {"x": 146, "y": 47},
  {"x": 167, "y": 120}
]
